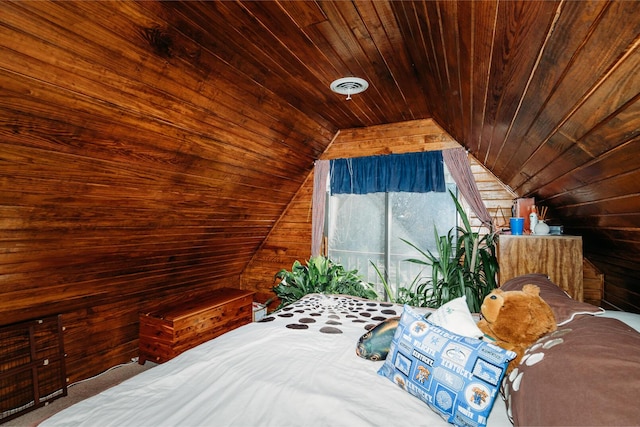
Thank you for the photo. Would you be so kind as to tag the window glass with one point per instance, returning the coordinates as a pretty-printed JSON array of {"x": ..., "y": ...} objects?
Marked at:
[{"x": 358, "y": 226}]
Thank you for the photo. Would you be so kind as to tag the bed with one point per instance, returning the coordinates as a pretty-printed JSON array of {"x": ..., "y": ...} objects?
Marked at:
[{"x": 299, "y": 367}]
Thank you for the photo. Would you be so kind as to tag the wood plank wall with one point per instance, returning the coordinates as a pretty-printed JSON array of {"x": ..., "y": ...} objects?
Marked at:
[
  {"x": 130, "y": 178},
  {"x": 290, "y": 239}
]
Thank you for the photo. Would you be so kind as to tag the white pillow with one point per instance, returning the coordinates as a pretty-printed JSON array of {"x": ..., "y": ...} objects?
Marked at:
[{"x": 456, "y": 317}]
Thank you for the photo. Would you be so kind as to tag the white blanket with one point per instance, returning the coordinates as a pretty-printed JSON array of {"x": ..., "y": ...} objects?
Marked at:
[{"x": 296, "y": 368}]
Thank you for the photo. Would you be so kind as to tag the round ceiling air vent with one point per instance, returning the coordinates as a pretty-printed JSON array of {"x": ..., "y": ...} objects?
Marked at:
[{"x": 349, "y": 86}]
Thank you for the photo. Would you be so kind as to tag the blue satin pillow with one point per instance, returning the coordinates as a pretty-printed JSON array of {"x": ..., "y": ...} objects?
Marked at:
[{"x": 374, "y": 344}]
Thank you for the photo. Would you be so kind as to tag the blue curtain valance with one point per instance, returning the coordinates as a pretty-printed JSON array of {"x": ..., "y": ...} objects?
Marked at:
[{"x": 413, "y": 172}]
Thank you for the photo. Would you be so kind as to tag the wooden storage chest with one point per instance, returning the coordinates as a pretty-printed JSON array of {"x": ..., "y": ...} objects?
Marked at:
[{"x": 167, "y": 332}]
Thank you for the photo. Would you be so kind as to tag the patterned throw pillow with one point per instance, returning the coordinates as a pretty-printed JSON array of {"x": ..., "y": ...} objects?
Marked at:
[{"x": 456, "y": 376}]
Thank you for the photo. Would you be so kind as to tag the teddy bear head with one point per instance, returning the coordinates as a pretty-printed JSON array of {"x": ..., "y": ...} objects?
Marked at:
[{"x": 517, "y": 317}]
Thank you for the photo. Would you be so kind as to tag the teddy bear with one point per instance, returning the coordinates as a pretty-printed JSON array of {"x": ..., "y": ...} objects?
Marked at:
[{"x": 514, "y": 320}]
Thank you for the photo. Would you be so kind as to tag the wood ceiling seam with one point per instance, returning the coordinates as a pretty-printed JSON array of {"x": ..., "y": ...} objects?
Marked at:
[
  {"x": 534, "y": 69},
  {"x": 598, "y": 70},
  {"x": 561, "y": 61},
  {"x": 558, "y": 182}
]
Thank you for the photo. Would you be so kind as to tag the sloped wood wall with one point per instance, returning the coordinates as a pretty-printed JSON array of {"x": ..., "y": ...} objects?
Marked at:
[
  {"x": 289, "y": 240},
  {"x": 104, "y": 335},
  {"x": 136, "y": 168}
]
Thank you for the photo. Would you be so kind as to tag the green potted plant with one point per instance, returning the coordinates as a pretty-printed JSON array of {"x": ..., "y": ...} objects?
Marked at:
[
  {"x": 413, "y": 294},
  {"x": 465, "y": 265},
  {"x": 319, "y": 275}
]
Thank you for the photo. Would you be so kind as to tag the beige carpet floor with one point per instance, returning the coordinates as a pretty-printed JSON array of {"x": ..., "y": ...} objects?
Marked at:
[{"x": 80, "y": 391}]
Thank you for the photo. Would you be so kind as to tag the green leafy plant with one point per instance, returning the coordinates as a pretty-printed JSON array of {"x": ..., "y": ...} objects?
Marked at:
[
  {"x": 319, "y": 275},
  {"x": 465, "y": 265},
  {"x": 413, "y": 294}
]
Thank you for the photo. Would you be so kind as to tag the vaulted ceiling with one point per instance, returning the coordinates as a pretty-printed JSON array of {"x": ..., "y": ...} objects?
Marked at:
[
  {"x": 543, "y": 93},
  {"x": 203, "y": 119}
]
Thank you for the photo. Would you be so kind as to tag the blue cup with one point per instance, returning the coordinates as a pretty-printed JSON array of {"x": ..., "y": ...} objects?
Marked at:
[{"x": 517, "y": 226}]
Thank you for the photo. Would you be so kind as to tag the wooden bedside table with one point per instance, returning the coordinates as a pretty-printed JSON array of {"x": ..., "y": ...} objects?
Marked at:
[
  {"x": 559, "y": 257},
  {"x": 167, "y": 332}
]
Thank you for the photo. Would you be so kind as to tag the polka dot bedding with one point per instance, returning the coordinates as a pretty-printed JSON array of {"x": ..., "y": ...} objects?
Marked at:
[{"x": 333, "y": 314}]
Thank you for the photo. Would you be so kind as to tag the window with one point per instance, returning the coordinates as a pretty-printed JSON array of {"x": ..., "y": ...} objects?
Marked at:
[{"x": 365, "y": 228}]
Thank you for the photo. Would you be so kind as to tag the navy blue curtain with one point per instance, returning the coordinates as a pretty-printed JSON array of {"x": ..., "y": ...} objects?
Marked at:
[{"x": 413, "y": 172}]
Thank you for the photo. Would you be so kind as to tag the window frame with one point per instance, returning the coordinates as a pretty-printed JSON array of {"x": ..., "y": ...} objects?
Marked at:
[{"x": 387, "y": 254}]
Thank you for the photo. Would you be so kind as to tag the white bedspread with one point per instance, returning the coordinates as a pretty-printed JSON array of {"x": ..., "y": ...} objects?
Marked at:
[{"x": 297, "y": 368}]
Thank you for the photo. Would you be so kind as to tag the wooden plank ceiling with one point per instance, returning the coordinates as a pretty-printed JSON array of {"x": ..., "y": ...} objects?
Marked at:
[
  {"x": 154, "y": 144},
  {"x": 232, "y": 97}
]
